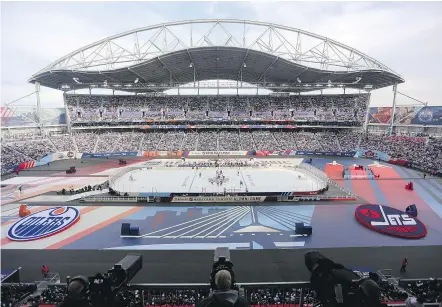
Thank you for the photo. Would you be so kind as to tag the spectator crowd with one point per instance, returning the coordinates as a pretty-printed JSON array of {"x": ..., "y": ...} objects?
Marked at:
[
  {"x": 105, "y": 108},
  {"x": 424, "y": 151},
  {"x": 428, "y": 291}
]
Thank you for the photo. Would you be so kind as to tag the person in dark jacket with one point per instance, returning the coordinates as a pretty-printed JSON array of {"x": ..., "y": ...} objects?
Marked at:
[{"x": 224, "y": 296}]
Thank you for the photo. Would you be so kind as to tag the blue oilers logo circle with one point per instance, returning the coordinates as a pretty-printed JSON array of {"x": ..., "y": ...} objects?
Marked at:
[{"x": 44, "y": 224}]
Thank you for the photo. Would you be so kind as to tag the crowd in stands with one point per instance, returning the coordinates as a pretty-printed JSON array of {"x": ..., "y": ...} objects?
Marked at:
[
  {"x": 424, "y": 151},
  {"x": 428, "y": 290},
  {"x": 13, "y": 294},
  {"x": 105, "y": 108}
]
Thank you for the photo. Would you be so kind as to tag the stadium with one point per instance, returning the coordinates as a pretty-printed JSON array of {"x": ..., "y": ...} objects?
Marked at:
[{"x": 174, "y": 169}]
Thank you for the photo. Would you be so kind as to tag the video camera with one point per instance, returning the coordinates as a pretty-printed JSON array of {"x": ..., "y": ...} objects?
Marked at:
[
  {"x": 222, "y": 262},
  {"x": 336, "y": 285},
  {"x": 105, "y": 290}
]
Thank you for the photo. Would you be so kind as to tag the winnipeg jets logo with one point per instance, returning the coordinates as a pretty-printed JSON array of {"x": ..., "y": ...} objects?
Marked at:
[{"x": 390, "y": 221}]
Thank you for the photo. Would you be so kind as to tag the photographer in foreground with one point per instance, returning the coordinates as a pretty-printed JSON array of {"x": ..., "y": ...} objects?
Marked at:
[
  {"x": 335, "y": 285},
  {"x": 224, "y": 295}
]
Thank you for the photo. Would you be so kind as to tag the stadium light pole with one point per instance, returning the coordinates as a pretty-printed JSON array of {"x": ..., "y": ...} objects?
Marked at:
[
  {"x": 393, "y": 111},
  {"x": 367, "y": 112},
  {"x": 37, "y": 93}
]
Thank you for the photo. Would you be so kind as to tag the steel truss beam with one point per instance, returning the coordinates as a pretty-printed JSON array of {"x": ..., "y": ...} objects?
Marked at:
[{"x": 139, "y": 45}]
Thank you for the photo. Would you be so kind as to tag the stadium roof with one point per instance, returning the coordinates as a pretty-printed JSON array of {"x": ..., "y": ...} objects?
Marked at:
[{"x": 174, "y": 54}]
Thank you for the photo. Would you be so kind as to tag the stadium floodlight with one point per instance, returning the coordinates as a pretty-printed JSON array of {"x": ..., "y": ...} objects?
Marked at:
[
  {"x": 76, "y": 80},
  {"x": 244, "y": 65},
  {"x": 329, "y": 83},
  {"x": 341, "y": 85},
  {"x": 318, "y": 85},
  {"x": 191, "y": 65},
  {"x": 93, "y": 85},
  {"x": 136, "y": 80},
  {"x": 105, "y": 83},
  {"x": 128, "y": 85},
  {"x": 298, "y": 80},
  {"x": 65, "y": 87},
  {"x": 368, "y": 86},
  {"x": 116, "y": 85}
]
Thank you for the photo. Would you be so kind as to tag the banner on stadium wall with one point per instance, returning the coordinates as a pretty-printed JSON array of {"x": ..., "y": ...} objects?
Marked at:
[
  {"x": 162, "y": 153},
  {"x": 263, "y": 153},
  {"x": 25, "y": 165},
  {"x": 428, "y": 116},
  {"x": 221, "y": 199},
  {"x": 62, "y": 155},
  {"x": 373, "y": 154},
  {"x": 323, "y": 153},
  {"x": 215, "y": 153},
  {"x": 109, "y": 154},
  {"x": 379, "y": 115}
]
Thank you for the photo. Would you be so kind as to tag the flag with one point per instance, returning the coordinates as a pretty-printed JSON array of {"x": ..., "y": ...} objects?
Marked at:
[{"x": 6, "y": 112}]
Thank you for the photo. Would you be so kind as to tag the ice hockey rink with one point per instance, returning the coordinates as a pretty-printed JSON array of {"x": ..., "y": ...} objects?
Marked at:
[{"x": 205, "y": 180}]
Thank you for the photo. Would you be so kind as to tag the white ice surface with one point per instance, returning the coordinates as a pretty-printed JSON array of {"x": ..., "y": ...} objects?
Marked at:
[{"x": 188, "y": 180}]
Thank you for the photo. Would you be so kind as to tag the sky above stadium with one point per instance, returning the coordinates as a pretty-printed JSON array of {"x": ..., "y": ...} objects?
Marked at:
[{"x": 406, "y": 36}]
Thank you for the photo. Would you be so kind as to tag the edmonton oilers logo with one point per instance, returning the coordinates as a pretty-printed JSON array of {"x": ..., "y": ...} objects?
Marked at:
[
  {"x": 44, "y": 224},
  {"x": 390, "y": 221}
]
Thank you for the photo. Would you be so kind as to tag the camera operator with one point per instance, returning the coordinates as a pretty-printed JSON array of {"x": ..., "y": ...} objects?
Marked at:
[
  {"x": 224, "y": 295},
  {"x": 335, "y": 286},
  {"x": 77, "y": 293}
]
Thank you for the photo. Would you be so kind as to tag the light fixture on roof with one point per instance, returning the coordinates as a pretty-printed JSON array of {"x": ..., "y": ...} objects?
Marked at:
[
  {"x": 76, "y": 80},
  {"x": 298, "y": 80},
  {"x": 318, "y": 85},
  {"x": 341, "y": 85},
  {"x": 65, "y": 87},
  {"x": 136, "y": 80},
  {"x": 117, "y": 85},
  {"x": 191, "y": 65},
  {"x": 93, "y": 85},
  {"x": 105, "y": 83},
  {"x": 329, "y": 83},
  {"x": 128, "y": 85},
  {"x": 244, "y": 65},
  {"x": 368, "y": 86}
]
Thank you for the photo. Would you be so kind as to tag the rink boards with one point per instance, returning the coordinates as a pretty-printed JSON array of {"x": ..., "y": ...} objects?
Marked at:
[{"x": 163, "y": 177}]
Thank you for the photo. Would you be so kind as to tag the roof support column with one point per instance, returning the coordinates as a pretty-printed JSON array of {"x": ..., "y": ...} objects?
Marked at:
[
  {"x": 217, "y": 85},
  {"x": 257, "y": 87},
  {"x": 198, "y": 88},
  {"x": 367, "y": 112},
  {"x": 171, "y": 79},
  {"x": 90, "y": 91},
  {"x": 241, "y": 75},
  {"x": 37, "y": 94},
  {"x": 237, "y": 87},
  {"x": 393, "y": 111},
  {"x": 68, "y": 118},
  {"x": 194, "y": 76}
]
